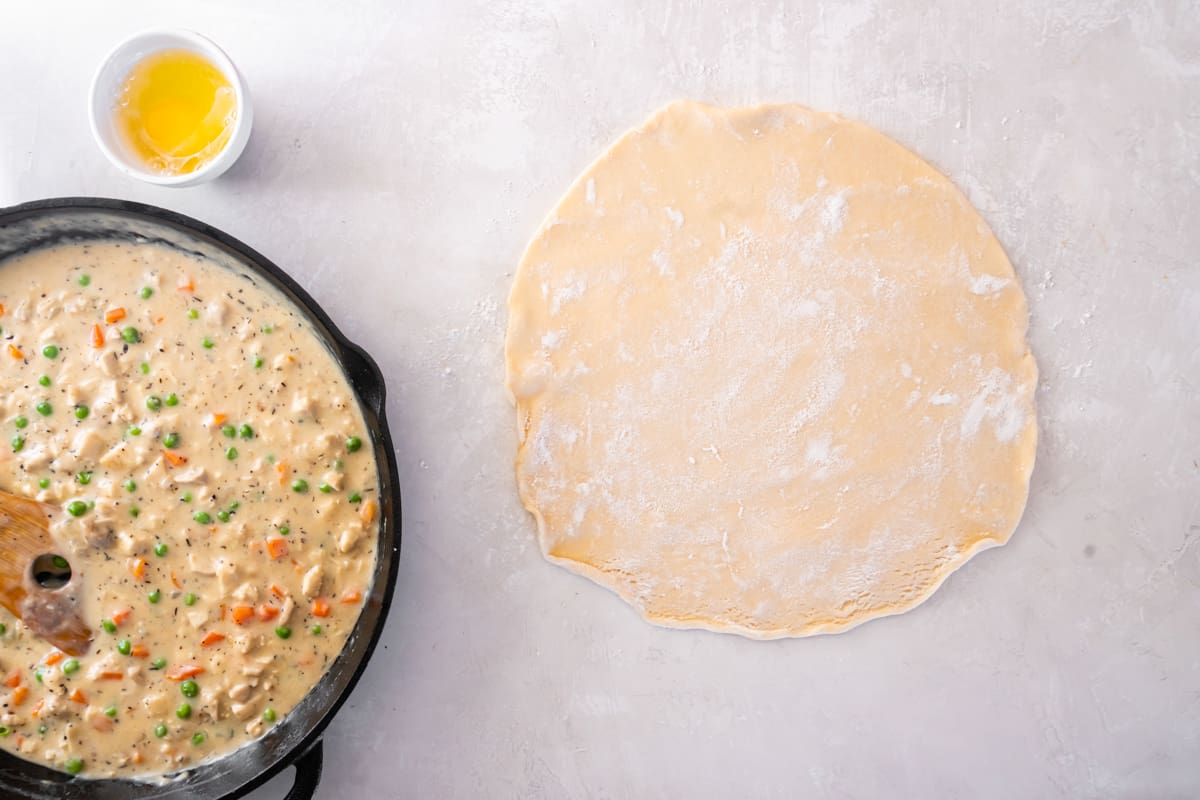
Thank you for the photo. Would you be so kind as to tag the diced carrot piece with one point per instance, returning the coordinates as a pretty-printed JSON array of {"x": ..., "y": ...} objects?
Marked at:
[
  {"x": 19, "y": 695},
  {"x": 277, "y": 590},
  {"x": 119, "y": 617},
  {"x": 216, "y": 419},
  {"x": 224, "y": 609},
  {"x": 13, "y": 679},
  {"x": 181, "y": 672},
  {"x": 211, "y": 638},
  {"x": 352, "y": 597},
  {"x": 15, "y": 351},
  {"x": 138, "y": 570},
  {"x": 320, "y": 608},
  {"x": 282, "y": 469},
  {"x": 136, "y": 756},
  {"x": 277, "y": 547},
  {"x": 159, "y": 320},
  {"x": 139, "y": 651},
  {"x": 175, "y": 580},
  {"x": 367, "y": 512},
  {"x": 36, "y": 711},
  {"x": 187, "y": 285},
  {"x": 175, "y": 459},
  {"x": 267, "y": 612},
  {"x": 78, "y": 696},
  {"x": 111, "y": 676},
  {"x": 97, "y": 336},
  {"x": 242, "y": 614},
  {"x": 1, "y": 308},
  {"x": 114, "y": 314},
  {"x": 54, "y": 657}
]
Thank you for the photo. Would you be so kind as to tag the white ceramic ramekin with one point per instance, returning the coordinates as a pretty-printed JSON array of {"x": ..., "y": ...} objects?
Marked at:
[{"x": 106, "y": 88}]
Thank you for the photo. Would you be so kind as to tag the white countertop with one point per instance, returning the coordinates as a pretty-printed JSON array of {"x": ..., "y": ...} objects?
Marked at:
[{"x": 402, "y": 155}]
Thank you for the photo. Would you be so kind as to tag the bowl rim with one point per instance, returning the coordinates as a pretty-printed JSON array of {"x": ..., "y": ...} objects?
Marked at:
[
  {"x": 104, "y": 80},
  {"x": 358, "y": 367}
]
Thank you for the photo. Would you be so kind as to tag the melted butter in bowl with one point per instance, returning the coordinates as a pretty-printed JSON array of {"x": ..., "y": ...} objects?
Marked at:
[{"x": 218, "y": 496}]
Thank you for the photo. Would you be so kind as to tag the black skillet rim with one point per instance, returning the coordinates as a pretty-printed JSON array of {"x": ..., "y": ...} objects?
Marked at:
[{"x": 368, "y": 383}]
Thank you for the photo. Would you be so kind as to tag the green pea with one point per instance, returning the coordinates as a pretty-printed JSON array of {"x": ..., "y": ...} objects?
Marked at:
[
  {"x": 189, "y": 688},
  {"x": 81, "y": 412},
  {"x": 245, "y": 431},
  {"x": 160, "y": 730},
  {"x": 283, "y": 631},
  {"x": 37, "y": 676},
  {"x": 229, "y": 431},
  {"x": 325, "y": 488},
  {"x": 234, "y": 505},
  {"x": 158, "y": 663},
  {"x": 154, "y": 596},
  {"x": 44, "y": 483},
  {"x": 355, "y": 497},
  {"x": 18, "y": 443},
  {"x": 44, "y": 408},
  {"x": 154, "y": 402},
  {"x": 193, "y": 313},
  {"x": 59, "y": 562},
  {"x": 84, "y": 478},
  {"x": 135, "y": 431},
  {"x": 160, "y": 549},
  {"x": 267, "y": 327},
  {"x": 50, "y": 351},
  {"x": 203, "y": 517},
  {"x": 171, "y": 440},
  {"x": 75, "y": 765},
  {"x": 77, "y": 508},
  {"x": 5, "y": 730},
  {"x": 231, "y": 454},
  {"x": 3, "y": 629},
  {"x": 258, "y": 362},
  {"x": 85, "y": 279},
  {"x": 284, "y": 530},
  {"x": 184, "y": 711},
  {"x": 124, "y": 647},
  {"x": 316, "y": 629},
  {"x": 223, "y": 515},
  {"x": 70, "y": 666},
  {"x": 269, "y": 714},
  {"x": 130, "y": 334},
  {"x": 300, "y": 485},
  {"x": 108, "y": 625},
  {"x": 353, "y": 444},
  {"x": 144, "y": 367},
  {"x": 20, "y": 422},
  {"x": 41, "y": 729},
  {"x": 198, "y": 738},
  {"x": 44, "y": 380},
  {"x": 146, "y": 293},
  {"x": 130, "y": 485},
  {"x": 186, "y": 497},
  {"x": 206, "y": 343},
  {"x": 134, "y": 511},
  {"x": 189, "y": 599},
  {"x": 111, "y": 711},
  {"x": 172, "y": 400}
]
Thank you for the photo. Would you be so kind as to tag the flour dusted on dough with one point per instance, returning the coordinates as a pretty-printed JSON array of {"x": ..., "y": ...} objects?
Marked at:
[{"x": 770, "y": 372}]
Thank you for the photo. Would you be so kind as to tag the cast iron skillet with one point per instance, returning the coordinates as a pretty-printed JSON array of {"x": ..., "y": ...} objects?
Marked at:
[{"x": 296, "y": 739}]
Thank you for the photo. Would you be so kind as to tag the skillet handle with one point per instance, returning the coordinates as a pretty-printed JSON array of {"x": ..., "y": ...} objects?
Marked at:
[
  {"x": 308, "y": 773},
  {"x": 366, "y": 377}
]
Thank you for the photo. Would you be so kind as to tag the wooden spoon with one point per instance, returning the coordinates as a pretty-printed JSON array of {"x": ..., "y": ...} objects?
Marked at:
[{"x": 50, "y": 613}]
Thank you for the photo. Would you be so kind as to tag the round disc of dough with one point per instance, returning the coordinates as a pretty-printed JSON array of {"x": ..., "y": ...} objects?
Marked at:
[{"x": 771, "y": 374}]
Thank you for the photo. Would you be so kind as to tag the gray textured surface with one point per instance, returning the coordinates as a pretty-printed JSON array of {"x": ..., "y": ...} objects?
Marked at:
[{"x": 403, "y": 154}]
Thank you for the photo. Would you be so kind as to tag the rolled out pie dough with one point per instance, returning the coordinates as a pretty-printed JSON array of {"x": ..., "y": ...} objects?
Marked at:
[{"x": 770, "y": 372}]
